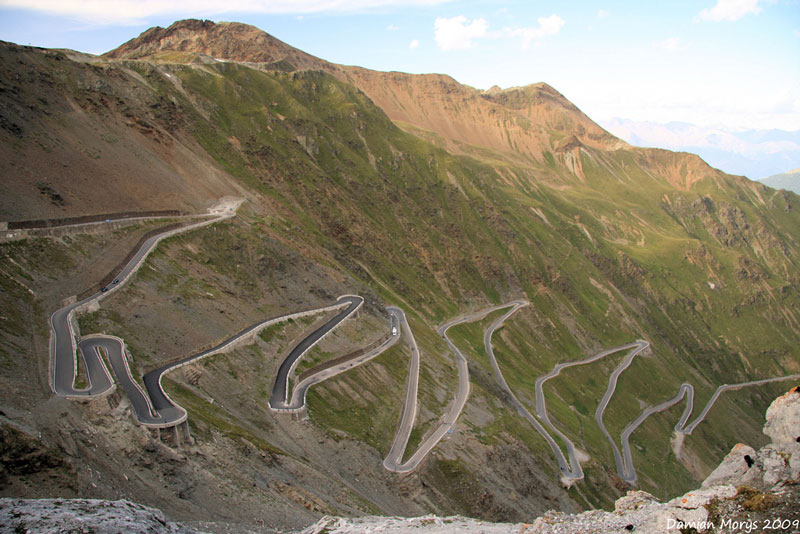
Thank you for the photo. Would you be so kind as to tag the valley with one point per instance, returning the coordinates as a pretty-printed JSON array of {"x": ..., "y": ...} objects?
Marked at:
[{"x": 540, "y": 245}]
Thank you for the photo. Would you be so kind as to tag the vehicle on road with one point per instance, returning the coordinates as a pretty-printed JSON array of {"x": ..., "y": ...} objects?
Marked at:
[
  {"x": 394, "y": 330},
  {"x": 116, "y": 281},
  {"x": 104, "y": 289}
]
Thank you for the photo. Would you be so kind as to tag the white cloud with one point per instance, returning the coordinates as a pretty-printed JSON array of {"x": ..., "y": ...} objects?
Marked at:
[
  {"x": 547, "y": 26},
  {"x": 414, "y": 44},
  {"x": 730, "y": 10},
  {"x": 457, "y": 33},
  {"x": 602, "y": 14},
  {"x": 670, "y": 44},
  {"x": 138, "y": 11},
  {"x": 392, "y": 28}
]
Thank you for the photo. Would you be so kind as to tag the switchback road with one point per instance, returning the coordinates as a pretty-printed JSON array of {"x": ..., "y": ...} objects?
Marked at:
[
  {"x": 682, "y": 428},
  {"x": 394, "y": 459},
  {"x": 637, "y": 347},
  {"x": 153, "y": 407},
  {"x": 301, "y": 388},
  {"x": 63, "y": 346},
  {"x": 575, "y": 471},
  {"x": 280, "y": 389}
]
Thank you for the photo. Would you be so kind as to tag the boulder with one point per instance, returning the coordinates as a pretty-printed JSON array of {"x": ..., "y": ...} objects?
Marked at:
[{"x": 783, "y": 418}]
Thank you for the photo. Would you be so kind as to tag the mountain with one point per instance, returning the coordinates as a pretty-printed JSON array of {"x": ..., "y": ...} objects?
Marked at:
[
  {"x": 786, "y": 180},
  {"x": 751, "y": 153},
  {"x": 517, "y": 121},
  {"x": 411, "y": 191}
]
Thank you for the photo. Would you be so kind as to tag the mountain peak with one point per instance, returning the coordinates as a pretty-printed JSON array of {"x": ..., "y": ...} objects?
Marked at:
[
  {"x": 231, "y": 41},
  {"x": 525, "y": 96}
]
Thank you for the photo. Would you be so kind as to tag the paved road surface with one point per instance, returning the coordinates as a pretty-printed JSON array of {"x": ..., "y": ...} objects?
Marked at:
[
  {"x": 682, "y": 427},
  {"x": 155, "y": 408},
  {"x": 637, "y": 347},
  {"x": 301, "y": 388},
  {"x": 569, "y": 471},
  {"x": 280, "y": 389},
  {"x": 394, "y": 460},
  {"x": 114, "y": 349},
  {"x": 63, "y": 345},
  {"x": 574, "y": 471},
  {"x": 174, "y": 413}
]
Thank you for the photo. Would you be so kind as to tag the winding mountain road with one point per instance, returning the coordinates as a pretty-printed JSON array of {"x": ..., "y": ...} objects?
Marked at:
[
  {"x": 571, "y": 470},
  {"x": 575, "y": 471},
  {"x": 153, "y": 407},
  {"x": 301, "y": 388},
  {"x": 394, "y": 459},
  {"x": 279, "y": 400},
  {"x": 63, "y": 346},
  {"x": 638, "y": 347},
  {"x": 681, "y": 427}
]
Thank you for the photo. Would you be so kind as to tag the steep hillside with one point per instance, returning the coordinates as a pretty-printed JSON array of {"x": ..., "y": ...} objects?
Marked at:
[
  {"x": 79, "y": 138},
  {"x": 750, "y": 490},
  {"x": 608, "y": 243},
  {"x": 532, "y": 126}
]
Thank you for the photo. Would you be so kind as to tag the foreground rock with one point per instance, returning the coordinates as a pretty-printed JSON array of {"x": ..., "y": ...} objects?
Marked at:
[{"x": 45, "y": 516}]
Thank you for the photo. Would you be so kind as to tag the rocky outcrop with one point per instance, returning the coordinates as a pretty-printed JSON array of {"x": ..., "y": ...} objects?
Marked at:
[
  {"x": 783, "y": 419},
  {"x": 46, "y": 516}
]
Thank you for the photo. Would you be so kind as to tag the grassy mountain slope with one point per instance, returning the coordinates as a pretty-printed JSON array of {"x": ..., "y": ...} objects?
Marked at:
[{"x": 609, "y": 243}]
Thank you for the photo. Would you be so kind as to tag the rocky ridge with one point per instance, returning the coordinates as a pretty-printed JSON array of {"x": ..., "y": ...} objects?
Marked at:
[
  {"x": 749, "y": 491},
  {"x": 513, "y": 122},
  {"x": 47, "y": 516}
]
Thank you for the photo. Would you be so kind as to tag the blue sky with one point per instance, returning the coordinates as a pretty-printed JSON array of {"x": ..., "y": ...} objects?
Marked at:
[{"x": 733, "y": 63}]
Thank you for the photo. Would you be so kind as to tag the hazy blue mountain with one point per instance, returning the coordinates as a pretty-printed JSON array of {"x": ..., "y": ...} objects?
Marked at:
[
  {"x": 752, "y": 153},
  {"x": 786, "y": 180}
]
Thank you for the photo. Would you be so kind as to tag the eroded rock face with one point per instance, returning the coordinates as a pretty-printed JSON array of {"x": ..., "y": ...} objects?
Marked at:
[
  {"x": 736, "y": 466},
  {"x": 775, "y": 464}
]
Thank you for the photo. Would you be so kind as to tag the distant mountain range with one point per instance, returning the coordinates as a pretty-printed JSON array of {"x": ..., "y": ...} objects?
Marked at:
[
  {"x": 786, "y": 180},
  {"x": 752, "y": 153}
]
